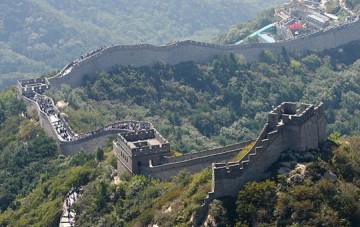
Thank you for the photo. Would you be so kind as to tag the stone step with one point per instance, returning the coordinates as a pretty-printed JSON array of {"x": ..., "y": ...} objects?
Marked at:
[
  {"x": 272, "y": 135},
  {"x": 252, "y": 155},
  {"x": 259, "y": 148},
  {"x": 265, "y": 142}
]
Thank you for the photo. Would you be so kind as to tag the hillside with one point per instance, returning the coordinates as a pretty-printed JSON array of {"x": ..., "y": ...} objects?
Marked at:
[
  {"x": 194, "y": 106},
  {"x": 226, "y": 100},
  {"x": 322, "y": 190},
  {"x": 38, "y": 36}
]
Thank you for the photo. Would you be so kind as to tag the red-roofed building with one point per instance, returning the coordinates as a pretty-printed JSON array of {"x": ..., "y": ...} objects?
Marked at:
[{"x": 295, "y": 26}]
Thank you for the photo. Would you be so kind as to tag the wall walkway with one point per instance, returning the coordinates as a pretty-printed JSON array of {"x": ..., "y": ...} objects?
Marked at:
[{"x": 104, "y": 59}]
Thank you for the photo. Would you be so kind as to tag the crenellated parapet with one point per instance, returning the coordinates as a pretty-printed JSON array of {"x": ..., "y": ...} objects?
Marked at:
[
  {"x": 54, "y": 124},
  {"x": 140, "y": 149},
  {"x": 289, "y": 127},
  {"x": 143, "y": 148},
  {"x": 105, "y": 58},
  {"x": 31, "y": 86}
]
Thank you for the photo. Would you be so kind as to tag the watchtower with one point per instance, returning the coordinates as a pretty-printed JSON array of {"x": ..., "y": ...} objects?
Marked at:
[
  {"x": 28, "y": 88},
  {"x": 305, "y": 124},
  {"x": 142, "y": 148}
]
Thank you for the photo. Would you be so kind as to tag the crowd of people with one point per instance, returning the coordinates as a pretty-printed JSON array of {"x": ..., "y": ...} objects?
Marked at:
[
  {"x": 131, "y": 126},
  {"x": 62, "y": 131},
  {"x": 172, "y": 42},
  {"x": 76, "y": 62},
  {"x": 50, "y": 110},
  {"x": 68, "y": 216},
  {"x": 46, "y": 105}
]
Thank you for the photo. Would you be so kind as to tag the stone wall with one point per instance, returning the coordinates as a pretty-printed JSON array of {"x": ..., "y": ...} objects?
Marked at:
[
  {"x": 192, "y": 163},
  {"x": 89, "y": 144},
  {"x": 301, "y": 132},
  {"x": 237, "y": 146},
  {"x": 304, "y": 130},
  {"x": 199, "y": 52}
]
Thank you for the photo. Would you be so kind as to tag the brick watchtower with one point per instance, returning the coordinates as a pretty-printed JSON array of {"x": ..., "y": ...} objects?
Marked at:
[{"x": 142, "y": 148}]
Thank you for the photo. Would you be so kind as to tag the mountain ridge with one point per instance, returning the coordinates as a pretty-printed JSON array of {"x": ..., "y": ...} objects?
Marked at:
[{"x": 54, "y": 32}]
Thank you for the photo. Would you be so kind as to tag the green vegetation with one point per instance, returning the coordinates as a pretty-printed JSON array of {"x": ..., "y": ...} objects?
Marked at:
[
  {"x": 34, "y": 180},
  {"x": 238, "y": 156},
  {"x": 197, "y": 106},
  {"x": 332, "y": 6},
  {"x": 223, "y": 101},
  {"x": 244, "y": 29},
  {"x": 314, "y": 201},
  {"x": 138, "y": 200},
  {"x": 37, "y": 36},
  {"x": 354, "y": 5}
]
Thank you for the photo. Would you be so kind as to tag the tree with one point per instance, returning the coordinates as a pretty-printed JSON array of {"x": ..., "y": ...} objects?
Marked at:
[
  {"x": 101, "y": 195},
  {"x": 284, "y": 56},
  {"x": 2, "y": 113},
  {"x": 312, "y": 61},
  {"x": 256, "y": 201},
  {"x": 267, "y": 56},
  {"x": 100, "y": 154}
]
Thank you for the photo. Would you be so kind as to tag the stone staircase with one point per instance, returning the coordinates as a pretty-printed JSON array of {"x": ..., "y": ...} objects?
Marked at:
[{"x": 262, "y": 142}]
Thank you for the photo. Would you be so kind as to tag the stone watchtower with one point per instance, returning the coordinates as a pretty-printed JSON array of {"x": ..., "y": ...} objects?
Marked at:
[
  {"x": 142, "y": 148},
  {"x": 289, "y": 127},
  {"x": 305, "y": 125}
]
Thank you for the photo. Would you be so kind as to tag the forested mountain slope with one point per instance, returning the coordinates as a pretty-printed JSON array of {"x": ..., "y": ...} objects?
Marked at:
[
  {"x": 194, "y": 106},
  {"x": 197, "y": 106},
  {"x": 323, "y": 190},
  {"x": 39, "y": 35}
]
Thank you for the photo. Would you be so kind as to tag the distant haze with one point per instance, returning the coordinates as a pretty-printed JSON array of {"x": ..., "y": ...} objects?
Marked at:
[{"x": 37, "y": 36}]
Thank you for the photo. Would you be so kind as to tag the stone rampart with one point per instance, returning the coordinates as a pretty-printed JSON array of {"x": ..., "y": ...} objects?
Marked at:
[
  {"x": 237, "y": 146},
  {"x": 296, "y": 134},
  {"x": 90, "y": 143},
  {"x": 141, "y": 135},
  {"x": 289, "y": 127},
  {"x": 199, "y": 52},
  {"x": 192, "y": 163}
]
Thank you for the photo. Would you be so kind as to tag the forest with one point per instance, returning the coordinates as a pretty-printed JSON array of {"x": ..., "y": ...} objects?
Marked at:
[
  {"x": 198, "y": 106},
  {"x": 194, "y": 106},
  {"x": 44, "y": 35}
]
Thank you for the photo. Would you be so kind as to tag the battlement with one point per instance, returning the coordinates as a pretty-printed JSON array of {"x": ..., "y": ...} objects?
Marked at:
[
  {"x": 105, "y": 58},
  {"x": 290, "y": 113},
  {"x": 289, "y": 127},
  {"x": 32, "y": 86},
  {"x": 57, "y": 127},
  {"x": 138, "y": 149},
  {"x": 144, "y": 142}
]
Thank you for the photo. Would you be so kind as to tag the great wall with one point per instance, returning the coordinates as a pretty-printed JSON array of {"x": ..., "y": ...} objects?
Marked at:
[
  {"x": 288, "y": 127},
  {"x": 106, "y": 58}
]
